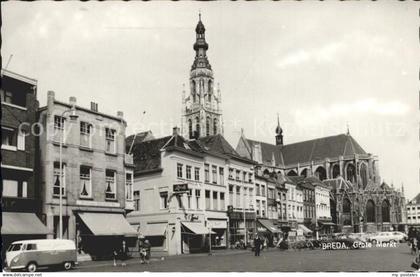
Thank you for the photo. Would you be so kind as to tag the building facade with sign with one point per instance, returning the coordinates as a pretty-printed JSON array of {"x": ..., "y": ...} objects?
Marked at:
[
  {"x": 413, "y": 212},
  {"x": 21, "y": 202},
  {"x": 95, "y": 178}
]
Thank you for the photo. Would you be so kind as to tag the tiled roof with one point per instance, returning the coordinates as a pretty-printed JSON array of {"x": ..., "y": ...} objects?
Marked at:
[
  {"x": 147, "y": 154},
  {"x": 140, "y": 137},
  {"x": 218, "y": 144}
]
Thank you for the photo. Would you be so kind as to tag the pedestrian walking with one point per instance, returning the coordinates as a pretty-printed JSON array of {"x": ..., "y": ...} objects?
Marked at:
[
  {"x": 257, "y": 245},
  {"x": 121, "y": 253},
  {"x": 144, "y": 251}
]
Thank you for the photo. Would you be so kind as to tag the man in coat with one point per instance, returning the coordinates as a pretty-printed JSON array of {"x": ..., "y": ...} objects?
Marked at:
[{"x": 257, "y": 245}]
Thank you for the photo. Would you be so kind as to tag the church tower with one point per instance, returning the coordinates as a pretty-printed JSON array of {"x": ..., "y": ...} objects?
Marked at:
[{"x": 201, "y": 114}]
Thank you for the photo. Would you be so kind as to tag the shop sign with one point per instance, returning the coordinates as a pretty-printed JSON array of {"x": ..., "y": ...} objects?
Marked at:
[{"x": 180, "y": 188}]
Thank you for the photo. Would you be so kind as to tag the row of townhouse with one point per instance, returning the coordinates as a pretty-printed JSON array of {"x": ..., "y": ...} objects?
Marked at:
[{"x": 64, "y": 154}]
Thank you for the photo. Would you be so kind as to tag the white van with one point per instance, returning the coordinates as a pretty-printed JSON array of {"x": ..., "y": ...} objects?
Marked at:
[{"x": 31, "y": 254}]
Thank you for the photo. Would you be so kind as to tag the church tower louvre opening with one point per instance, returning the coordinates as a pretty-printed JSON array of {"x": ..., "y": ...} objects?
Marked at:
[{"x": 201, "y": 112}]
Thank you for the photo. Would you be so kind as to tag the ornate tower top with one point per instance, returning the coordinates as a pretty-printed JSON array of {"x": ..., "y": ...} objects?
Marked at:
[
  {"x": 200, "y": 47},
  {"x": 279, "y": 132}
]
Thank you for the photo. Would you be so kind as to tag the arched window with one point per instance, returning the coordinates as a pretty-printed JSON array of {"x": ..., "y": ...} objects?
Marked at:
[
  {"x": 304, "y": 172},
  {"x": 210, "y": 86},
  {"x": 385, "y": 211},
  {"x": 215, "y": 126},
  {"x": 208, "y": 126},
  {"x": 190, "y": 128},
  {"x": 335, "y": 171},
  {"x": 321, "y": 173},
  {"x": 197, "y": 127},
  {"x": 266, "y": 172},
  {"x": 351, "y": 173},
  {"x": 193, "y": 87},
  {"x": 346, "y": 205},
  {"x": 370, "y": 211},
  {"x": 364, "y": 174},
  {"x": 292, "y": 173}
]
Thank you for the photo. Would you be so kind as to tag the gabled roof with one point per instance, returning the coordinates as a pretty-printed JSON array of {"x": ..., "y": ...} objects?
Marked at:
[
  {"x": 268, "y": 151},
  {"x": 140, "y": 137},
  {"x": 217, "y": 144},
  {"x": 415, "y": 200},
  {"x": 147, "y": 154}
]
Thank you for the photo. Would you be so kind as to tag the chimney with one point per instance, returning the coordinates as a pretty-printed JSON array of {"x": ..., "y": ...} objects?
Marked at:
[
  {"x": 175, "y": 131},
  {"x": 120, "y": 114},
  {"x": 94, "y": 106},
  {"x": 50, "y": 101},
  {"x": 72, "y": 101}
]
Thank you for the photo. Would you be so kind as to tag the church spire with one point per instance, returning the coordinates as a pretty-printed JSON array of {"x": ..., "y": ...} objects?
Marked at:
[{"x": 279, "y": 132}]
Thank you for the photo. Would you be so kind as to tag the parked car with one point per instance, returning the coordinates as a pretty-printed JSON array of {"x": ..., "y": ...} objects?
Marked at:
[
  {"x": 381, "y": 237},
  {"x": 32, "y": 254}
]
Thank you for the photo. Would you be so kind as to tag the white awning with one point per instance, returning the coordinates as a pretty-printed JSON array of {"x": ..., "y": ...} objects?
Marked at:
[
  {"x": 305, "y": 229},
  {"x": 22, "y": 224},
  {"x": 197, "y": 228},
  {"x": 157, "y": 229},
  {"x": 107, "y": 224}
]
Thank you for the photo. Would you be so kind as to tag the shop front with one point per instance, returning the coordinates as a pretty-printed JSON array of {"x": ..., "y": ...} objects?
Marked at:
[
  {"x": 326, "y": 227},
  {"x": 99, "y": 234},
  {"x": 194, "y": 237},
  {"x": 269, "y": 230},
  {"x": 241, "y": 229},
  {"x": 219, "y": 236}
]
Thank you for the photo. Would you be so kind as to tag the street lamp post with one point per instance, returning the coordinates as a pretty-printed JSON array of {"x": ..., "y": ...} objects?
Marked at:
[{"x": 73, "y": 116}]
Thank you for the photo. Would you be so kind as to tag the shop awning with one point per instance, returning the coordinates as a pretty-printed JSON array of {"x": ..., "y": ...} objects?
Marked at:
[
  {"x": 269, "y": 225},
  {"x": 326, "y": 223},
  {"x": 107, "y": 224},
  {"x": 155, "y": 230},
  {"x": 305, "y": 229},
  {"x": 22, "y": 224},
  {"x": 197, "y": 228}
]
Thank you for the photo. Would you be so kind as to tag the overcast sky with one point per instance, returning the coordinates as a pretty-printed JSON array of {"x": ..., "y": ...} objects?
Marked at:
[{"x": 320, "y": 66}]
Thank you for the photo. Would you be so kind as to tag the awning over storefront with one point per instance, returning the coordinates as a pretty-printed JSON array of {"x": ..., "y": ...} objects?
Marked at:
[
  {"x": 326, "y": 223},
  {"x": 306, "y": 230},
  {"x": 22, "y": 224},
  {"x": 269, "y": 225},
  {"x": 107, "y": 224},
  {"x": 197, "y": 228},
  {"x": 157, "y": 229}
]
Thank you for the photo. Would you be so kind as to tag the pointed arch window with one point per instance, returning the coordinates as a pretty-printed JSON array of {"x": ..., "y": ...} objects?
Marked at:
[
  {"x": 370, "y": 211},
  {"x": 197, "y": 127},
  {"x": 208, "y": 126},
  {"x": 364, "y": 175},
  {"x": 335, "y": 171},
  {"x": 351, "y": 173},
  {"x": 85, "y": 182},
  {"x": 215, "y": 126},
  {"x": 385, "y": 211},
  {"x": 190, "y": 128}
]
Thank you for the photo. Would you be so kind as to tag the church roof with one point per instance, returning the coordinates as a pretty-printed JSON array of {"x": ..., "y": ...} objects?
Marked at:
[
  {"x": 310, "y": 150},
  {"x": 321, "y": 148}
]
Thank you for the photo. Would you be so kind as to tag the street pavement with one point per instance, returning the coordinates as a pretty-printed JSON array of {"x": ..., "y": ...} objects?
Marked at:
[{"x": 372, "y": 259}]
